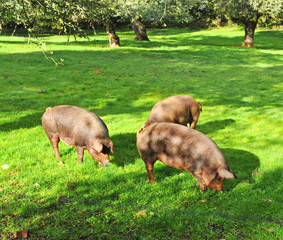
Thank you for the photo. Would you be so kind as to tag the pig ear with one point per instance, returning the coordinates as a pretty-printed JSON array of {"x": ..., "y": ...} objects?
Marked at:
[
  {"x": 111, "y": 146},
  {"x": 224, "y": 173},
  {"x": 108, "y": 143},
  {"x": 97, "y": 146}
]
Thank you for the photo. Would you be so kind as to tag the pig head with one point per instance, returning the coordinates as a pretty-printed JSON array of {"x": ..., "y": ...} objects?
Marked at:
[
  {"x": 184, "y": 148},
  {"x": 100, "y": 150}
]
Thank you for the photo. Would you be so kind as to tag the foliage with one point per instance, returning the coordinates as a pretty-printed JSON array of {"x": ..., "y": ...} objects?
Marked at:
[
  {"x": 248, "y": 13},
  {"x": 164, "y": 12},
  {"x": 66, "y": 14},
  {"x": 240, "y": 90},
  {"x": 242, "y": 10}
]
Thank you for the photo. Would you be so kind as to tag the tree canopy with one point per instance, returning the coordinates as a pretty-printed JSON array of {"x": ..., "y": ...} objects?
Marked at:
[
  {"x": 247, "y": 12},
  {"x": 69, "y": 16}
]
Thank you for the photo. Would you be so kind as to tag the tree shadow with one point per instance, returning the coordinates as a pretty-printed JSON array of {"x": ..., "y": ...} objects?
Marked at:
[
  {"x": 213, "y": 126},
  {"x": 265, "y": 39},
  {"x": 28, "y": 121},
  {"x": 273, "y": 177}
]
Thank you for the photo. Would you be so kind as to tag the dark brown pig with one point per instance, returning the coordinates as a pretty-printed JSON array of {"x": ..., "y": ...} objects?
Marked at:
[
  {"x": 184, "y": 148},
  {"x": 80, "y": 128},
  {"x": 181, "y": 109}
]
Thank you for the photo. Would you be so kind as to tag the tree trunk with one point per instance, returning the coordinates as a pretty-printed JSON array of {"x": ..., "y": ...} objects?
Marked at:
[
  {"x": 250, "y": 26},
  {"x": 140, "y": 30},
  {"x": 114, "y": 40}
]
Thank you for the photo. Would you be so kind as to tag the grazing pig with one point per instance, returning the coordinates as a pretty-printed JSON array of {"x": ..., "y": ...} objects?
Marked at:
[
  {"x": 80, "y": 128},
  {"x": 184, "y": 148},
  {"x": 181, "y": 109}
]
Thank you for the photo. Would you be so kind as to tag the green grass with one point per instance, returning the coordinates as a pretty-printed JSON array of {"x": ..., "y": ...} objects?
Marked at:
[{"x": 241, "y": 93}]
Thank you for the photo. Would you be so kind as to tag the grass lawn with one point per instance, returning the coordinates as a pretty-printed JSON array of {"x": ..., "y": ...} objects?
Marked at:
[{"x": 241, "y": 93}]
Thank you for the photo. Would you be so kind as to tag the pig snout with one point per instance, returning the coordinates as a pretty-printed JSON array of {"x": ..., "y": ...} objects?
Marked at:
[
  {"x": 100, "y": 151},
  {"x": 104, "y": 163},
  {"x": 102, "y": 158}
]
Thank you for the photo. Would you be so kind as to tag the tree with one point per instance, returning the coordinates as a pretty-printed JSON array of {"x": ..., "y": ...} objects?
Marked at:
[
  {"x": 104, "y": 12},
  {"x": 26, "y": 12},
  {"x": 159, "y": 12},
  {"x": 66, "y": 14},
  {"x": 135, "y": 12},
  {"x": 248, "y": 12}
]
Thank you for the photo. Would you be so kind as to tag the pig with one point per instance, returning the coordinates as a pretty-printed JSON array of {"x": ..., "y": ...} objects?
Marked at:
[
  {"x": 184, "y": 148},
  {"x": 181, "y": 109},
  {"x": 80, "y": 128}
]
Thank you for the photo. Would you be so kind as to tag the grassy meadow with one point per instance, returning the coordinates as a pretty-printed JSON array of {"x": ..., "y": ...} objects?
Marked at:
[{"x": 241, "y": 93}]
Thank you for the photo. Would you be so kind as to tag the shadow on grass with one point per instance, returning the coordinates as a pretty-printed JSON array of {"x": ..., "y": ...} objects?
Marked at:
[
  {"x": 28, "y": 121},
  {"x": 213, "y": 126},
  {"x": 125, "y": 149},
  {"x": 197, "y": 218},
  {"x": 242, "y": 163}
]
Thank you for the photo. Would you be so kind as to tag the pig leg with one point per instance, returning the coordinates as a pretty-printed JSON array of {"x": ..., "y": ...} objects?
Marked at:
[
  {"x": 54, "y": 140},
  {"x": 149, "y": 168},
  {"x": 80, "y": 151},
  {"x": 193, "y": 125},
  {"x": 198, "y": 176},
  {"x": 195, "y": 116}
]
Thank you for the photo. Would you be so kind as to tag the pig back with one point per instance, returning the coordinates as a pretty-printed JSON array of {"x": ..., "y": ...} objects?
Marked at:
[
  {"x": 77, "y": 125},
  {"x": 171, "y": 142},
  {"x": 175, "y": 109}
]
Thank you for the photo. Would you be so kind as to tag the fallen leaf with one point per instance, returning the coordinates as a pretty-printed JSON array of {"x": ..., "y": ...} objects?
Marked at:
[
  {"x": 96, "y": 71},
  {"x": 266, "y": 200},
  {"x": 14, "y": 172},
  {"x": 36, "y": 184},
  {"x": 151, "y": 214},
  {"x": 203, "y": 200},
  {"x": 5, "y": 166},
  {"x": 181, "y": 174},
  {"x": 21, "y": 234},
  {"x": 61, "y": 163},
  {"x": 268, "y": 229},
  {"x": 41, "y": 91},
  {"x": 246, "y": 181},
  {"x": 142, "y": 213},
  {"x": 256, "y": 172}
]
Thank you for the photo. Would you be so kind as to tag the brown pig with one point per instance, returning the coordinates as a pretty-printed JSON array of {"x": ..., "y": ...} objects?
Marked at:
[
  {"x": 181, "y": 109},
  {"x": 184, "y": 148},
  {"x": 80, "y": 128}
]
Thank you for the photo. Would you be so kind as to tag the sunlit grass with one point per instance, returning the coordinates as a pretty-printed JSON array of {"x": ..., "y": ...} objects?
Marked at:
[{"x": 241, "y": 93}]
